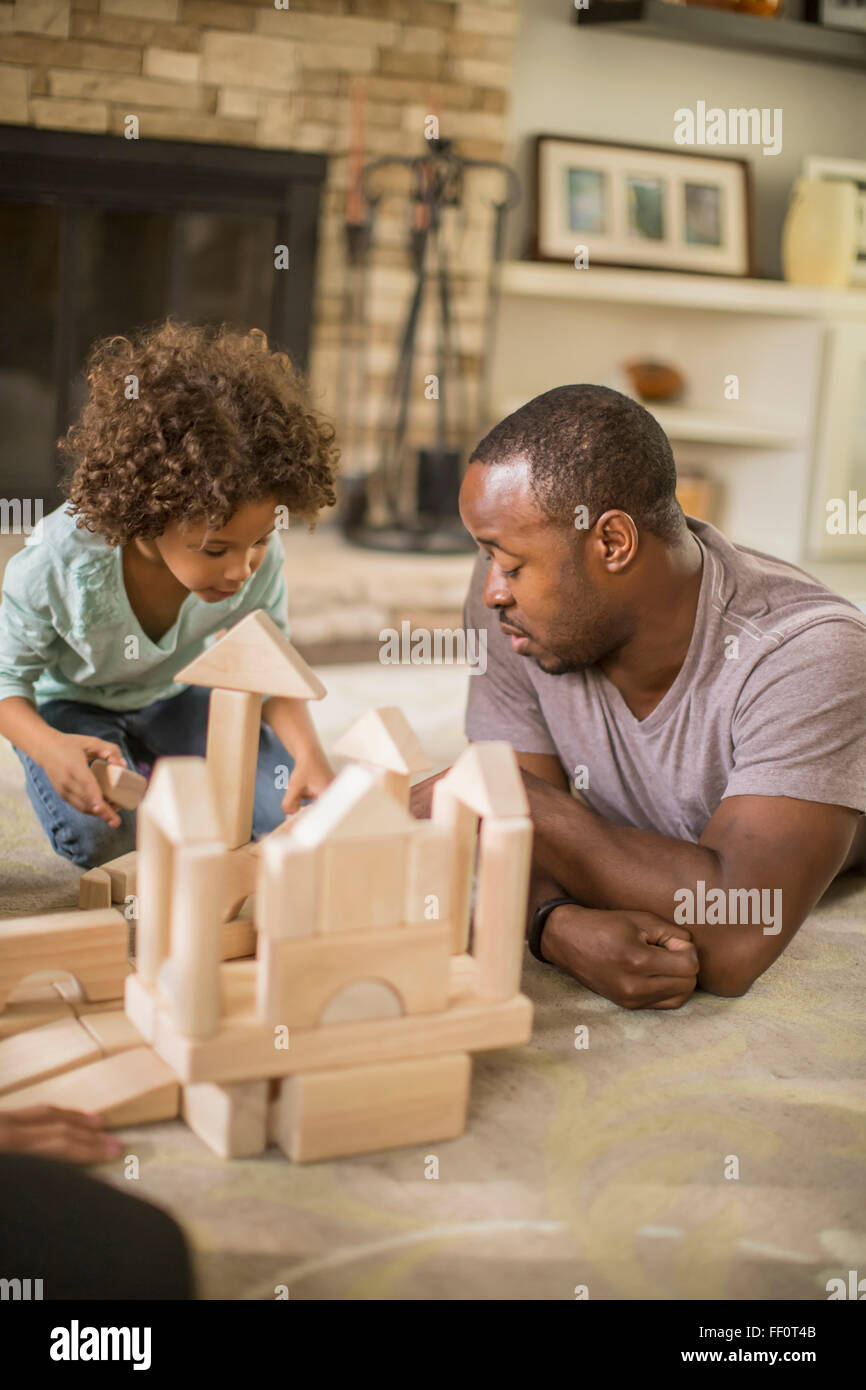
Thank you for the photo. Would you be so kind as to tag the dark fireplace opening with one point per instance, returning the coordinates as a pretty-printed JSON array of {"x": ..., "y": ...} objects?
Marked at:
[{"x": 101, "y": 235}]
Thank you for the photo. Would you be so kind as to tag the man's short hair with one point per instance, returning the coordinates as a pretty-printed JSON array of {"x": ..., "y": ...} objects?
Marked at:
[{"x": 594, "y": 447}]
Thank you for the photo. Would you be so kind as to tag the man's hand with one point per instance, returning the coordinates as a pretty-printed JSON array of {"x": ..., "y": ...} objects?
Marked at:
[
  {"x": 310, "y": 776},
  {"x": 66, "y": 759},
  {"x": 55, "y": 1133},
  {"x": 632, "y": 958}
]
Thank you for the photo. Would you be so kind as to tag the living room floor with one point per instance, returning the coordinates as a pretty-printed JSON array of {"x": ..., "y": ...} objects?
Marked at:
[{"x": 607, "y": 1168}]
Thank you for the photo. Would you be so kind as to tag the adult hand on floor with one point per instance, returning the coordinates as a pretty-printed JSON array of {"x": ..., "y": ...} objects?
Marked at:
[
  {"x": 66, "y": 760},
  {"x": 632, "y": 958},
  {"x": 56, "y": 1133}
]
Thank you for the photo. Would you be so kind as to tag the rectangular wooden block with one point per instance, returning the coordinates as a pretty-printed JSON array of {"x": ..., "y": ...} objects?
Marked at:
[
  {"x": 24, "y": 1014},
  {"x": 245, "y": 1050},
  {"x": 233, "y": 728},
  {"x": 90, "y": 945},
  {"x": 362, "y": 884},
  {"x": 326, "y": 1114},
  {"x": 111, "y": 1031},
  {"x": 299, "y": 978},
  {"x": 135, "y": 1087},
  {"x": 429, "y": 874},
  {"x": 232, "y": 1119},
  {"x": 39, "y": 1053},
  {"x": 241, "y": 872},
  {"x": 140, "y": 1005},
  {"x": 288, "y": 887}
]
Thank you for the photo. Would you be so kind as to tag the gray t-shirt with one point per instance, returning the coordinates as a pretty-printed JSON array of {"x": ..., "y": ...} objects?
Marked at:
[{"x": 781, "y": 711}]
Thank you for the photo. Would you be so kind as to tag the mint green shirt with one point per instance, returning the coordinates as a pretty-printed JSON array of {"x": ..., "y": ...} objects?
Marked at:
[{"x": 67, "y": 630}]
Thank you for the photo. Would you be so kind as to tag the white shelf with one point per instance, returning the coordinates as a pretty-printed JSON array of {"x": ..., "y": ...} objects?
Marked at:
[
  {"x": 669, "y": 289},
  {"x": 708, "y": 427}
]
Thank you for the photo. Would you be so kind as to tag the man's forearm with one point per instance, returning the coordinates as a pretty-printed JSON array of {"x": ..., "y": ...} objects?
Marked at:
[{"x": 612, "y": 866}]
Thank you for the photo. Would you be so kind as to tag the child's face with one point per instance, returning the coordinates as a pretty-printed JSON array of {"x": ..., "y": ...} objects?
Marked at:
[{"x": 213, "y": 565}]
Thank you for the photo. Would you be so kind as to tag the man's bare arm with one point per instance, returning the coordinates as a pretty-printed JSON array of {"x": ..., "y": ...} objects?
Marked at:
[{"x": 780, "y": 844}]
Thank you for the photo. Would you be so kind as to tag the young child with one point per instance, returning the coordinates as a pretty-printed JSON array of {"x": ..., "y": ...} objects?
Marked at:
[{"x": 189, "y": 441}]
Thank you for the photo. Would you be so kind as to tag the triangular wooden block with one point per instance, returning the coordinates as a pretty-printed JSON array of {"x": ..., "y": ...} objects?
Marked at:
[
  {"x": 255, "y": 656},
  {"x": 385, "y": 738},
  {"x": 353, "y": 807},
  {"x": 180, "y": 800},
  {"x": 486, "y": 778}
]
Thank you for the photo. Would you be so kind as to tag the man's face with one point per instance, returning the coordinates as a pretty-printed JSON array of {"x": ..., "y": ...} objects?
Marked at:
[
  {"x": 538, "y": 580},
  {"x": 216, "y": 564}
]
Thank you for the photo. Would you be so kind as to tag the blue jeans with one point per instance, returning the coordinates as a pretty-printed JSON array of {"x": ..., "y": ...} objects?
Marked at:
[{"x": 175, "y": 727}]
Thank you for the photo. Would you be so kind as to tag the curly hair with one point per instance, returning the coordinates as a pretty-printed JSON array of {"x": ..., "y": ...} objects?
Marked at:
[{"x": 217, "y": 421}]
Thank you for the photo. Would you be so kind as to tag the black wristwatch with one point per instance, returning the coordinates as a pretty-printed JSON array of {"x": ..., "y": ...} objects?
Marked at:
[{"x": 539, "y": 920}]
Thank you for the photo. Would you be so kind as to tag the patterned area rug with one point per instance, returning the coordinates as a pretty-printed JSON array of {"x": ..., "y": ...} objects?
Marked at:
[{"x": 609, "y": 1169}]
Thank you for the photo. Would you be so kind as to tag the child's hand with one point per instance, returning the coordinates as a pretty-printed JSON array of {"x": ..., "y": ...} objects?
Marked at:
[
  {"x": 55, "y": 1133},
  {"x": 66, "y": 760},
  {"x": 310, "y": 776}
]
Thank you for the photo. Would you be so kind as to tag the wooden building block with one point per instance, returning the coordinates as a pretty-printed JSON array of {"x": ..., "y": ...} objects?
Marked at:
[
  {"x": 385, "y": 740},
  {"x": 90, "y": 945},
  {"x": 119, "y": 785},
  {"x": 233, "y": 726},
  {"x": 327, "y": 1114},
  {"x": 140, "y": 1006},
  {"x": 429, "y": 874},
  {"x": 70, "y": 994},
  {"x": 132, "y": 1088},
  {"x": 486, "y": 778},
  {"x": 461, "y": 826},
  {"x": 153, "y": 928},
  {"x": 231, "y": 1120},
  {"x": 122, "y": 872},
  {"x": 353, "y": 807},
  {"x": 94, "y": 889},
  {"x": 254, "y": 656},
  {"x": 244, "y": 1049},
  {"x": 288, "y": 885},
  {"x": 241, "y": 874},
  {"x": 42, "y": 1052},
  {"x": 24, "y": 1014},
  {"x": 499, "y": 928},
  {"x": 112, "y": 1032},
  {"x": 196, "y": 944},
  {"x": 363, "y": 884},
  {"x": 238, "y": 939},
  {"x": 298, "y": 978},
  {"x": 180, "y": 799}
]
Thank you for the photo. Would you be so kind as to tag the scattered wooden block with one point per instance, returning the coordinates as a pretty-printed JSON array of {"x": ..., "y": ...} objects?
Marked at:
[
  {"x": 94, "y": 889},
  {"x": 133, "y": 1088},
  {"x": 351, "y": 1110},
  {"x": 298, "y": 978},
  {"x": 119, "y": 785},
  {"x": 90, "y": 945},
  {"x": 231, "y": 1120},
  {"x": 42, "y": 1052}
]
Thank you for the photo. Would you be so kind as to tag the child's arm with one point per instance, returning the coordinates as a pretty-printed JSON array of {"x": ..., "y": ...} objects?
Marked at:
[
  {"x": 312, "y": 773},
  {"x": 65, "y": 758}
]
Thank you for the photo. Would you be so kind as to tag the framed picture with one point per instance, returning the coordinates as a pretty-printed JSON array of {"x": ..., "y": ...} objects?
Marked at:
[
  {"x": 635, "y": 205},
  {"x": 817, "y": 167}
]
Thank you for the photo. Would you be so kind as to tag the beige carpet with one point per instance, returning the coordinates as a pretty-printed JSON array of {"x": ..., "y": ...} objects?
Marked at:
[{"x": 601, "y": 1168}]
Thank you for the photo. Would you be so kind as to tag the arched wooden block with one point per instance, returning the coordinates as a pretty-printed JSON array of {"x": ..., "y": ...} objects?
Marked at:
[{"x": 92, "y": 946}]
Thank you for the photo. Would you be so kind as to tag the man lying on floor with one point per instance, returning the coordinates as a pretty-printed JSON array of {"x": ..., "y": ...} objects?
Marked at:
[{"x": 706, "y": 701}]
